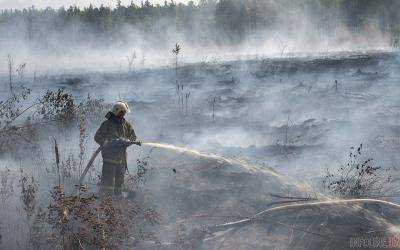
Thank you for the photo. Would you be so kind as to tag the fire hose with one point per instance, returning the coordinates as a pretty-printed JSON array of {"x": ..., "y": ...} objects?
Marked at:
[
  {"x": 96, "y": 153},
  {"x": 129, "y": 143}
]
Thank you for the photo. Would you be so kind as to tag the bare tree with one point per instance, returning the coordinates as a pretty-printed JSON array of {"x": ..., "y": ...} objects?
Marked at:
[
  {"x": 20, "y": 71},
  {"x": 213, "y": 109},
  {"x": 131, "y": 60},
  {"x": 175, "y": 51},
  {"x": 10, "y": 62}
]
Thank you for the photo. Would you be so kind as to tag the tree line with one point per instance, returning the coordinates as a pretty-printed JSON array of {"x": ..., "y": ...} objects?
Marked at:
[{"x": 206, "y": 22}]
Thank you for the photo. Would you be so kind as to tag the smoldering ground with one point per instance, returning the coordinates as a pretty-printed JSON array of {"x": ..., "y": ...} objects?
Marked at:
[
  {"x": 296, "y": 121},
  {"x": 226, "y": 139}
]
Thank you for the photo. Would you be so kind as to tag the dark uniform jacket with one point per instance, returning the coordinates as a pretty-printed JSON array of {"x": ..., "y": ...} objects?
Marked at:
[{"x": 114, "y": 128}]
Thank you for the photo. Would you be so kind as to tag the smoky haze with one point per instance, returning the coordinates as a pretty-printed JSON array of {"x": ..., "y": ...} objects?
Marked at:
[
  {"x": 104, "y": 37},
  {"x": 235, "y": 101}
]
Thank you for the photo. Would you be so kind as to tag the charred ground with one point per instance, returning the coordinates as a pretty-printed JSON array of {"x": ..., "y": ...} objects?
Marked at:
[{"x": 267, "y": 129}]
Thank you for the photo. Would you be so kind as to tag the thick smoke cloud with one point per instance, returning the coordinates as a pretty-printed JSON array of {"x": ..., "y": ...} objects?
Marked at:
[
  {"x": 283, "y": 87},
  {"x": 103, "y": 38}
]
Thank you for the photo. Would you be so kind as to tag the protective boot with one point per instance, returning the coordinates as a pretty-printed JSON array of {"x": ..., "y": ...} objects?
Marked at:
[
  {"x": 107, "y": 179},
  {"x": 119, "y": 179}
]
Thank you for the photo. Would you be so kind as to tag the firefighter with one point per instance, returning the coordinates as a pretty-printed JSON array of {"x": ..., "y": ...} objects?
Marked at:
[{"x": 114, "y": 136}]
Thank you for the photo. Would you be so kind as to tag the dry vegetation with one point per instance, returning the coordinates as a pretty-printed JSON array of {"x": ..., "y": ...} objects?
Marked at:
[
  {"x": 52, "y": 215},
  {"x": 55, "y": 216},
  {"x": 45, "y": 144},
  {"x": 359, "y": 178}
]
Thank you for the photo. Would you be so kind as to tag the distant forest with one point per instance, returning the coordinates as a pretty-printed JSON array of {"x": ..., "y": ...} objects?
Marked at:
[{"x": 208, "y": 22}]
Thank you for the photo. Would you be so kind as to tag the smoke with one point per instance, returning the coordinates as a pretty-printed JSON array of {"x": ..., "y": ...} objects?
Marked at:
[
  {"x": 206, "y": 32},
  {"x": 293, "y": 95}
]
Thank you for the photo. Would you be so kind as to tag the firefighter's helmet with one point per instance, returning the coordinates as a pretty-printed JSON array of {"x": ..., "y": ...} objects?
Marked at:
[{"x": 120, "y": 106}]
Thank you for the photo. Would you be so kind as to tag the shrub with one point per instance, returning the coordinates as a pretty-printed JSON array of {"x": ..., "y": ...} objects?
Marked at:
[
  {"x": 84, "y": 221},
  {"x": 360, "y": 177}
]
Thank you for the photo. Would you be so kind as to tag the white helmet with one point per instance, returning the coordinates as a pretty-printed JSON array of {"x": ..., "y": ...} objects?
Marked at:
[{"x": 120, "y": 106}]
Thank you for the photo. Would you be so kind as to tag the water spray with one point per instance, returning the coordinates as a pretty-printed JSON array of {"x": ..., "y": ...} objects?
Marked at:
[
  {"x": 180, "y": 149},
  {"x": 149, "y": 144}
]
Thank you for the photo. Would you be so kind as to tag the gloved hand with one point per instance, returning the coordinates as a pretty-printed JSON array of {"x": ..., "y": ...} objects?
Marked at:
[
  {"x": 119, "y": 143},
  {"x": 126, "y": 142}
]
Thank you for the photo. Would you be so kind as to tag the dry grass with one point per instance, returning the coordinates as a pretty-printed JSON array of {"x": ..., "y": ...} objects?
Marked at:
[
  {"x": 6, "y": 185},
  {"x": 67, "y": 221},
  {"x": 359, "y": 177},
  {"x": 86, "y": 221}
]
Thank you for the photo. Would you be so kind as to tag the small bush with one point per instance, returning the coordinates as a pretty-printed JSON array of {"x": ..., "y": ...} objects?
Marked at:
[
  {"x": 360, "y": 177},
  {"x": 6, "y": 185},
  {"x": 83, "y": 221}
]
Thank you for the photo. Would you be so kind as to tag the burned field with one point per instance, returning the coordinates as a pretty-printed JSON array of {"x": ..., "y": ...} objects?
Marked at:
[{"x": 298, "y": 152}]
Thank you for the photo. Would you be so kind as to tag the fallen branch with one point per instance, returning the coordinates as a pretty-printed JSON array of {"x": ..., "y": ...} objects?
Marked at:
[
  {"x": 292, "y": 197},
  {"x": 262, "y": 215}
]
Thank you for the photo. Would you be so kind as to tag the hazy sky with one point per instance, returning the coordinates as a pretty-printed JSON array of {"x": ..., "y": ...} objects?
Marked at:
[{"x": 13, "y": 4}]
